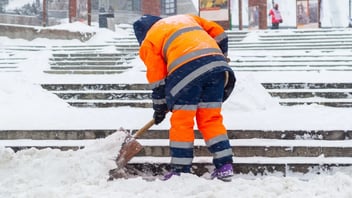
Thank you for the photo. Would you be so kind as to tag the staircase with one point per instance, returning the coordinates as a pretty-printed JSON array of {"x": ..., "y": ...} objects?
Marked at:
[
  {"x": 321, "y": 52},
  {"x": 272, "y": 56},
  {"x": 12, "y": 55}
]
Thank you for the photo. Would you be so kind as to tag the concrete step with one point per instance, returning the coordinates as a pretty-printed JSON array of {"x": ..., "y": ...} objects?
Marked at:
[
  {"x": 307, "y": 38},
  {"x": 91, "y": 55},
  {"x": 93, "y": 86},
  {"x": 91, "y": 59},
  {"x": 327, "y": 94},
  {"x": 304, "y": 85},
  {"x": 127, "y": 49},
  {"x": 289, "y": 69},
  {"x": 288, "y": 46},
  {"x": 110, "y": 103},
  {"x": 116, "y": 95},
  {"x": 240, "y": 147},
  {"x": 308, "y": 65},
  {"x": 320, "y": 93},
  {"x": 83, "y": 47},
  {"x": 91, "y": 67},
  {"x": 84, "y": 134},
  {"x": 244, "y": 148},
  {"x": 291, "y": 59},
  {"x": 83, "y": 72},
  {"x": 87, "y": 63},
  {"x": 330, "y": 103},
  {"x": 262, "y": 148},
  {"x": 253, "y": 165},
  {"x": 306, "y": 35},
  {"x": 139, "y": 95}
]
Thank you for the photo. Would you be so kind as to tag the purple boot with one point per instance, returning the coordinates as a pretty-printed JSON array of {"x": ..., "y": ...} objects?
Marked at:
[
  {"x": 168, "y": 175},
  {"x": 223, "y": 173}
]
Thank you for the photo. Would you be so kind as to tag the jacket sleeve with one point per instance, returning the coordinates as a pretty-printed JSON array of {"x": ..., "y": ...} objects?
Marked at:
[
  {"x": 153, "y": 60},
  {"x": 215, "y": 31},
  {"x": 156, "y": 74}
]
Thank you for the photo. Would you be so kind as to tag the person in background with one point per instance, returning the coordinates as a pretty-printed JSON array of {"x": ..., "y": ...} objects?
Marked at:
[
  {"x": 276, "y": 17},
  {"x": 187, "y": 68}
]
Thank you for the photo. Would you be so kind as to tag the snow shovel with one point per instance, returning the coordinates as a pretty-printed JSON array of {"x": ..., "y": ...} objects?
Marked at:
[{"x": 130, "y": 147}]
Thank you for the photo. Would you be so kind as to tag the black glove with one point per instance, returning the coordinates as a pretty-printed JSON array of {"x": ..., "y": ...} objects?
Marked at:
[{"x": 159, "y": 116}]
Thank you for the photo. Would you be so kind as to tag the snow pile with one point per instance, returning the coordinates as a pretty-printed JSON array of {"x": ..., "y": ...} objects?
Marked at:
[{"x": 71, "y": 174}]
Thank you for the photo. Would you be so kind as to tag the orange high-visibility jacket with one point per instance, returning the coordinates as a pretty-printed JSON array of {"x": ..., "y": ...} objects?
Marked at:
[{"x": 173, "y": 41}]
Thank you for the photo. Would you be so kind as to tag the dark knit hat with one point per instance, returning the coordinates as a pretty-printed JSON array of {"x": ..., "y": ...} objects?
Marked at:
[{"x": 142, "y": 25}]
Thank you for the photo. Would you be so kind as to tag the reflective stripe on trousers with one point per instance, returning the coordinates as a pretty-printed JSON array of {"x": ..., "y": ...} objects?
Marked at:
[{"x": 202, "y": 101}]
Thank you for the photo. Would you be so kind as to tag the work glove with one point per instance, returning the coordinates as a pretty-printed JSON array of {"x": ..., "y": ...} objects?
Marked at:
[{"x": 159, "y": 116}]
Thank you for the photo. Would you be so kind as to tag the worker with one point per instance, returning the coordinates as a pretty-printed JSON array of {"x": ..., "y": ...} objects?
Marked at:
[{"x": 187, "y": 68}]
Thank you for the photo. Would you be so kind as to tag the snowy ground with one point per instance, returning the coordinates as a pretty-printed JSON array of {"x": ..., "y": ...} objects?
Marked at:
[{"x": 53, "y": 173}]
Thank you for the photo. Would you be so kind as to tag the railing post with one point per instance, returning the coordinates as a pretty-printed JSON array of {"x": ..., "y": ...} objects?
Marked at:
[
  {"x": 44, "y": 19},
  {"x": 89, "y": 7},
  {"x": 240, "y": 15}
]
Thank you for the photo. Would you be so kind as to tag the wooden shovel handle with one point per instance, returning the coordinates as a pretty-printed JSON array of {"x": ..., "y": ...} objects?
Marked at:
[{"x": 144, "y": 128}]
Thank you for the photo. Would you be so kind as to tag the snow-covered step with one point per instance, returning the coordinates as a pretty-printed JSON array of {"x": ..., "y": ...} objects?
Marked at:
[
  {"x": 317, "y": 63},
  {"x": 295, "y": 40},
  {"x": 101, "y": 91},
  {"x": 87, "y": 55},
  {"x": 294, "y": 58},
  {"x": 261, "y": 147},
  {"x": 289, "y": 69},
  {"x": 237, "y": 134},
  {"x": 111, "y": 103},
  {"x": 98, "y": 95},
  {"x": 328, "y": 90},
  {"x": 263, "y": 47},
  {"x": 22, "y": 48},
  {"x": 69, "y": 58},
  {"x": 94, "y": 86},
  {"x": 307, "y": 85},
  {"x": 335, "y": 103},
  {"x": 105, "y": 95},
  {"x": 242, "y": 165},
  {"x": 241, "y": 148},
  {"x": 82, "y": 47},
  {"x": 86, "y": 64},
  {"x": 84, "y": 72},
  {"x": 70, "y": 63},
  {"x": 328, "y": 94},
  {"x": 254, "y": 160}
]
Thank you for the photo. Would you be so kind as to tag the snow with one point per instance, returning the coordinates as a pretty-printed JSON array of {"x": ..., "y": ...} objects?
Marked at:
[
  {"x": 82, "y": 173},
  {"x": 24, "y": 105}
]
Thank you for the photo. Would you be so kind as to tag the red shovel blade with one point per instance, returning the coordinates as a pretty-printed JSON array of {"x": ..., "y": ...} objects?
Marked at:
[{"x": 128, "y": 150}]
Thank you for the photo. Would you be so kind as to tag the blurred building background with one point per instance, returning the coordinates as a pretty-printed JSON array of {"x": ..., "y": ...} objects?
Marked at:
[{"x": 234, "y": 14}]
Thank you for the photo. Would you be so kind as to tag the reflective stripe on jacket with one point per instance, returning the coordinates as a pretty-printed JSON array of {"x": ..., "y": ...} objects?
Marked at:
[
  {"x": 173, "y": 41},
  {"x": 179, "y": 49}
]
